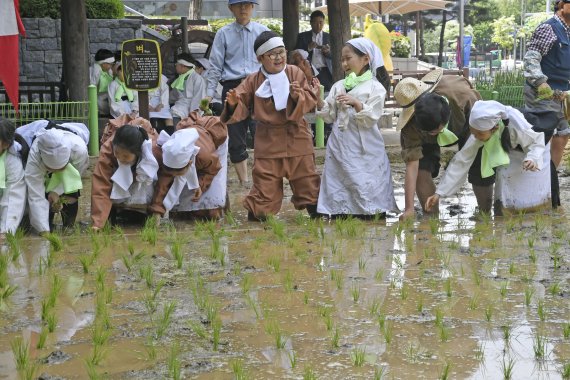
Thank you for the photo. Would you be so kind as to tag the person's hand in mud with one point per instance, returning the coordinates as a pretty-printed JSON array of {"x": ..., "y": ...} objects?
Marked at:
[
  {"x": 232, "y": 98},
  {"x": 530, "y": 165},
  {"x": 431, "y": 201},
  {"x": 407, "y": 214},
  {"x": 348, "y": 100},
  {"x": 54, "y": 204},
  {"x": 296, "y": 90},
  {"x": 197, "y": 194}
]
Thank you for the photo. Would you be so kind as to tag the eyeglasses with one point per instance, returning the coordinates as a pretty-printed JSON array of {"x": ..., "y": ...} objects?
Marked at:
[{"x": 274, "y": 55}]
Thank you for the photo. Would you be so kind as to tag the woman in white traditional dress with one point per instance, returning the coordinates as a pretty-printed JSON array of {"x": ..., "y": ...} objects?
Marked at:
[
  {"x": 356, "y": 179},
  {"x": 498, "y": 129},
  {"x": 121, "y": 99},
  {"x": 159, "y": 107},
  {"x": 13, "y": 154},
  {"x": 58, "y": 157}
]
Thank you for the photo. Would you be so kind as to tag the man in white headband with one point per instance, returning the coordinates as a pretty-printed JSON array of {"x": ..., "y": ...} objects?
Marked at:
[
  {"x": 188, "y": 88},
  {"x": 100, "y": 75},
  {"x": 280, "y": 95},
  {"x": 197, "y": 187}
]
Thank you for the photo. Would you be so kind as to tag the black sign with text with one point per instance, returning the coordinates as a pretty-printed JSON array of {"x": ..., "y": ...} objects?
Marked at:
[{"x": 141, "y": 64}]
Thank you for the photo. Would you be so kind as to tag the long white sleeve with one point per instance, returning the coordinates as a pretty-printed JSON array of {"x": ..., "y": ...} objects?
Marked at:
[
  {"x": 119, "y": 108},
  {"x": 35, "y": 181},
  {"x": 372, "y": 107},
  {"x": 189, "y": 100},
  {"x": 457, "y": 170},
  {"x": 531, "y": 142},
  {"x": 329, "y": 110},
  {"x": 13, "y": 200}
]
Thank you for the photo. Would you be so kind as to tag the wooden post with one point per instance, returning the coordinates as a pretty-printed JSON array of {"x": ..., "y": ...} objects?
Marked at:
[
  {"x": 75, "y": 48},
  {"x": 184, "y": 27},
  {"x": 291, "y": 27},
  {"x": 339, "y": 22}
]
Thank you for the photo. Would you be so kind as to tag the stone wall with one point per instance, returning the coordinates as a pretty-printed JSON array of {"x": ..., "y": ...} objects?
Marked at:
[{"x": 40, "y": 51}]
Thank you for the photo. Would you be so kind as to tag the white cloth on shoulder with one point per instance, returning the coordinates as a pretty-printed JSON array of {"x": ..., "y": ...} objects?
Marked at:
[{"x": 276, "y": 85}]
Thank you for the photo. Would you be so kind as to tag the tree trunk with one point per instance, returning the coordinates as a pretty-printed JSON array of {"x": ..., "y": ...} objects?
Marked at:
[
  {"x": 422, "y": 41},
  {"x": 75, "y": 48},
  {"x": 196, "y": 10},
  {"x": 441, "y": 41},
  {"x": 339, "y": 22},
  {"x": 291, "y": 27}
]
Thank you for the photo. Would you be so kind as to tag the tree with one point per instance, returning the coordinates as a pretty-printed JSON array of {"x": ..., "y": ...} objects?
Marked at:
[
  {"x": 291, "y": 27},
  {"x": 195, "y": 10},
  {"x": 74, "y": 48},
  {"x": 339, "y": 21},
  {"x": 504, "y": 30}
]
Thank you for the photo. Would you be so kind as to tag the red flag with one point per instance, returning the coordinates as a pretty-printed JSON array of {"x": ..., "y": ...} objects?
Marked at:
[{"x": 10, "y": 27}]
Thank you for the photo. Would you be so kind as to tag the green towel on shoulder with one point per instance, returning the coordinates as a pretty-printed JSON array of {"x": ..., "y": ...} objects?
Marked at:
[
  {"x": 352, "y": 80},
  {"x": 493, "y": 154},
  {"x": 179, "y": 82},
  {"x": 446, "y": 137},
  {"x": 104, "y": 80},
  {"x": 69, "y": 177},
  {"x": 122, "y": 90}
]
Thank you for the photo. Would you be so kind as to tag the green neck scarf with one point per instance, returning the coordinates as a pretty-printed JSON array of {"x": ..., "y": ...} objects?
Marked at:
[
  {"x": 446, "y": 137},
  {"x": 122, "y": 90},
  {"x": 352, "y": 80},
  {"x": 3, "y": 169},
  {"x": 104, "y": 80},
  {"x": 68, "y": 177},
  {"x": 493, "y": 154},
  {"x": 179, "y": 82}
]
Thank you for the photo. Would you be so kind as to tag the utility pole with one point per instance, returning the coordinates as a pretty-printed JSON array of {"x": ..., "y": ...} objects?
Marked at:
[{"x": 461, "y": 31}]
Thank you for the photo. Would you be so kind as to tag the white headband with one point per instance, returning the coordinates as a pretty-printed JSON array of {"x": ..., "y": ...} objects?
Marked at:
[
  {"x": 270, "y": 44},
  {"x": 107, "y": 60},
  {"x": 184, "y": 62}
]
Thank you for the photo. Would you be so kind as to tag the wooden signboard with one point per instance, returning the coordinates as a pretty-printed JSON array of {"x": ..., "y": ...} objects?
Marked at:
[{"x": 140, "y": 60}]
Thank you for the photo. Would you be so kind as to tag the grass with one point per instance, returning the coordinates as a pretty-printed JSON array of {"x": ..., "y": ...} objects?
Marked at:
[
  {"x": 541, "y": 310},
  {"x": 173, "y": 362},
  {"x": 21, "y": 352},
  {"x": 216, "y": 332},
  {"x": 566, "y": 330},
  {"x": 14, "y": 243},
  {"x": 51, "y": 322},
  {"x": 565, "y": 371},
  {"x": 358, "y": 355},
  {"x": 277, "y": 227},
  {"x": 335, "y": 338},
  {"x": 288, "y": 281},
  {"x": 355, "y": 292},
  {"x": 447, "y": 285},
  {"x": 55, "y": 241},
  {"x": 540, "y": 346},
  {"x": 274, "y": 263},
  {"x": 507, "y": 367},
  {"x": 489, "y": 312},
  {"x": 292, "y": 355},
  {"x": 177, "y": 253},
  {"x": 309, "y": 374},
  {"x": 149, "y": 233},
  {"x": 238, "y": 369}
]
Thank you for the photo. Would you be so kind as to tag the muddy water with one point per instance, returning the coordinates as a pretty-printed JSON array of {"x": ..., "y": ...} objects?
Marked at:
[{"x": 297, "y": 298}]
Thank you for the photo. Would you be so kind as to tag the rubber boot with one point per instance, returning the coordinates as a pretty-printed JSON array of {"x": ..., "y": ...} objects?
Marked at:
[
  {"x": 484, "y": 195},
  {"x": 241, "y": 170}
]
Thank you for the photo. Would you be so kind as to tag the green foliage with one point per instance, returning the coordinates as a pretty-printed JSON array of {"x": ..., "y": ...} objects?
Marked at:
[
  {"x": 274, "y": 24},
  {"x": 502, "y": 32},
  {"x": 101, "y": 9},
  {"x": 401, "y": 45}
]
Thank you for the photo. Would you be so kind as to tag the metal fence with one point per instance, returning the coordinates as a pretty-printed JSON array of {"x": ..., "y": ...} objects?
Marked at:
[{"x": 55, "y": 111}]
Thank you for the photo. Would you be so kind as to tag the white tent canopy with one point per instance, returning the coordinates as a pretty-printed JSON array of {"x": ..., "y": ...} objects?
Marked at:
[{"x": 391, "y": 7}]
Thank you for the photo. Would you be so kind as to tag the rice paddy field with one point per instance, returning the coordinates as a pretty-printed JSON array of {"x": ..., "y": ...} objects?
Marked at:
[{"x": 454, "y": 297}]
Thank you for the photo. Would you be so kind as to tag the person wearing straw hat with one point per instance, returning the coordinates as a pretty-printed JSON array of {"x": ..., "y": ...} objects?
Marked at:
[
  {"x": 187, "y": 89},
  {"x": 101, "y": 75},
  {"x": 192, "y": 180},
  {"x": 57, "y": 159},
  {"x": 496, "y": 129},
  {"x": 435, "y": 112},
  {"x": 547, "y": 74},
  {"x": 356, "y": 178},
  {"x": 279, "y": 96},
  {"x": 122, "y": 100},
  {"x": 232, "y": 59}
]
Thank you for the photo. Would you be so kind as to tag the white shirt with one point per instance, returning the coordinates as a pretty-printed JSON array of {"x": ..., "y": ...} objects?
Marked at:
[
  {"x": 13, "y": 197},
  {"x": 318, "y": 59},
  {"x": 189, "y": 99}
]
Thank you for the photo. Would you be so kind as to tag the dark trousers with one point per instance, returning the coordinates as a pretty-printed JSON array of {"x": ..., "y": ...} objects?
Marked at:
[{"x": 237, "y": 133}]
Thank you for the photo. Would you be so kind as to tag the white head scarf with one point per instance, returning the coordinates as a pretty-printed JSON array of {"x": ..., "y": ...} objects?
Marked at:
[
  {"x": 302, "y": 53},
  {"x": 367, "y": 46},
  {"x": 486, "y": 114},
  {"x": 54, "y": 151},
  {"x": 276, "y": 85},
  {"x": 177, "y": 151}
]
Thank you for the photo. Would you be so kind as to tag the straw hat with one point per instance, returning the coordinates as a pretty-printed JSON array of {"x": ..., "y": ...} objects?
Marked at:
[{"x": 409, "y": 90}]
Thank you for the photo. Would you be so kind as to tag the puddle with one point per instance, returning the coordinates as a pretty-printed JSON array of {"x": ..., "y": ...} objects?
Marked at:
[{"x": 339, "y": 300}]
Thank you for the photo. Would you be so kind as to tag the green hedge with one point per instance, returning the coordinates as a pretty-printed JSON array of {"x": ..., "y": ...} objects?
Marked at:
[{"x": 105, "y": 9}]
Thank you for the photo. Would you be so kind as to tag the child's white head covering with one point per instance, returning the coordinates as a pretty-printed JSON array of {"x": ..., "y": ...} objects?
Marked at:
[
  {"x": 302, "y": 53},
  {"x": 486, "y": 114},
  {"x": 367, "y": 46},
  {"x": 55, "y": 153},
  {"x": 178, "y": 149}
]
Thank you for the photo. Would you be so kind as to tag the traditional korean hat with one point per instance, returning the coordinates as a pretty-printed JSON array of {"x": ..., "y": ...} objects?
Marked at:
[{"x": 409, "y": 90}]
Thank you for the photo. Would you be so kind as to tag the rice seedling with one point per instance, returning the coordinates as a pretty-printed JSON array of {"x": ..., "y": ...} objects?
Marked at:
[
  {"x": 177, "y": 253},
  {"x": 388, "y": 332},
  {"x": 50, "y": 258},
  {"x": 556, "y": 259},
  {"x": 541, "y": 310},
  {"x": 474, "y": 302},
  {"x": 173, "y": 362},
  {"x": 274, "y": 263},
  {"x": 355, "y": 292},
  {"x": 512, "y": 268},
  {"x": 100, "y": 334},
  {"x": 489, "y": 312},
  {"x": 216, "y": 332},
  {"x": 150, "y": 348},
  {"x": 539, "y": 223},
  {"x": 328, "y": 322},
  {"x": 55, "y": 241},
  {"x": 292, "y": 355},
  {"x": 540, "y": 347},
  {"x": 434, "y": 224},
  {"x": 565, "y": 371},
  {"x": 305, "y": 297},
  {"x": 339, "y": 280},
  {"x": 566, "y": 330},
  {"x": 335, "y": 338},
  {"x": 420, "y": 304},
  {"x": 554, "y": 289},
  {"x": 21, "y": 352},
  {"x": 7, "y": 292},
  {"x": 379, "y": 274},
  {"x": 404, "y": 291},
  {"x": 380, "y": 372},
  {"x": 51, "y": 322},
  {"x": 448, "y": 287},
  {"x": 349, "y": 227},
  {"x": 238, "y": 370},
  {"x": 288, "y": 281},
  {"x": 246, "y": 283},
  {"x": 14, "y": 240},
  {"x": 503, "y": 289},
  {"x": 92, "y": 372},
  {"x": 42, "y": 338},
  {"x": 510, "y": 224},
  {"x": 236, "y": 268},
  {"x": 325, "y": 310},
  {"x": 97, "y": 354},
  {"x": 4, "y": 263},
  {"x": 165, "y": 319},
  {"x": 149, "y": 233},
  {"x": 532, "y": 255},
  {"x": 309, "y": 374},
  {"x": 445, "y": 371},
  {"x": 277, "y": 227},
  {"x": 212, "y": 311},
  {"x": 374, "y": 306},
  {"x": 507, "y": 333},
  {"x": 443, "y": 333},
  {"x": 86, "y": 261},
  {"x": 54, "y": 291},
  {"x": 381, "y": 320},
  {"x": 361, "y": 264},
  {"x": 150, "y": 303},
  {"x": 480, "y": 352},
  {"x": 358, "y": 355},
  {"x": 146, "y": 273},
  {"x": 438, "y": 316}
]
